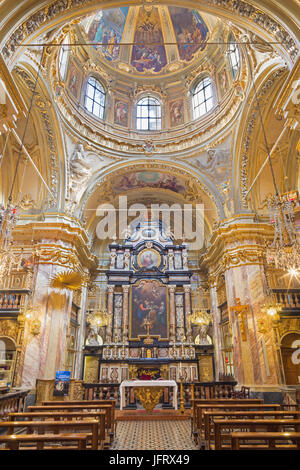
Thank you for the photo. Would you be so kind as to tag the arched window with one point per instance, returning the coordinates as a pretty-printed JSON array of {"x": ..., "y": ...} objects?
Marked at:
[
  {"x": 148, "y": 114},
  {"x": 94, "y": 100},
  {"x": 203, "y": 100},
  {"x": 63, "y": 58},
  {"x": 234, "y": 58}
]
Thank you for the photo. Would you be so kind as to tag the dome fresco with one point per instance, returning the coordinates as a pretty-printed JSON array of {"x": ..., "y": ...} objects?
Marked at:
[{"x": 148, "y": 39}]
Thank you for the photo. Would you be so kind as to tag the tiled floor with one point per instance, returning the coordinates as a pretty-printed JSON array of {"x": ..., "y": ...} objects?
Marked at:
[{"x": 153, "y": 435}]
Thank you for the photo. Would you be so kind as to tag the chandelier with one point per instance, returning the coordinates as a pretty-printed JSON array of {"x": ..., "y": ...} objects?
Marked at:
[
  {"x": 284, "y": 251},
  {"x": 99, "y": 317},
  {"x": 271, "y": 307},
  {"x": 200, "y": 317}
]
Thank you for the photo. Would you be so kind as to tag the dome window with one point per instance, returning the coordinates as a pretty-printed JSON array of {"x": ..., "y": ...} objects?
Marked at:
[
  {"x": 63, "y": 58},
  {"x": 203, "y": 100},
  {"x": 94, "y": 101},
  {"x": 234, "y": 58},
  {"x": 148, "y": 115}
]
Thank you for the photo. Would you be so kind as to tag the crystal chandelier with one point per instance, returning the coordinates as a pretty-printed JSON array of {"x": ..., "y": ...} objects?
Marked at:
[
  {"x": 99, "y": 317},
  {"x": 200, "y": 317},
  {"x": 284, "y": 251}
]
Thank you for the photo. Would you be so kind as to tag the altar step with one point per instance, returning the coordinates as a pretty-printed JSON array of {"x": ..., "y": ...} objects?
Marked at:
[{"x": 155, "y": 415}]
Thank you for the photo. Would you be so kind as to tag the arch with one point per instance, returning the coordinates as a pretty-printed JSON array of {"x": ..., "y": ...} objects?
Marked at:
[{"x": 291, "y": 357}]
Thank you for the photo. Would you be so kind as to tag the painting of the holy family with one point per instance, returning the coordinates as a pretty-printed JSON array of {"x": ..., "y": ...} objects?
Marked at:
[{"x": 149, "y": 306}]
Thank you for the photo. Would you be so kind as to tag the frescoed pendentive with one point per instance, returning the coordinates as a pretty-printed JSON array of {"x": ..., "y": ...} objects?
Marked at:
[{"x": 190, "y": 30}]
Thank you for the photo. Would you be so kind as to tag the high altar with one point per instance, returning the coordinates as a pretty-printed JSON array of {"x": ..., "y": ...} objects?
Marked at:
[{"x": 149, "y": 333}]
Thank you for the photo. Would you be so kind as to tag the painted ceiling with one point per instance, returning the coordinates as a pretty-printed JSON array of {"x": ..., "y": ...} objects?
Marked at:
[{"x": 148, "y": 40}]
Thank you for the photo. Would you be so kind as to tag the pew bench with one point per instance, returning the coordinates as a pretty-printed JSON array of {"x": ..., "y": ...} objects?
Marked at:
[
  {"x": 56, "y": 427},
  {"x": 210, "y": 416},
  {"x": 83, "y": 407},
  {"x": 265, "y": 441},
  {"x": 61, "y": 417},
  {"x": 38, "y": 441},
  {"x": 199, "y": 433},
  {"x": 220, "y": 401},
  {"x": 224, "y": 429}
]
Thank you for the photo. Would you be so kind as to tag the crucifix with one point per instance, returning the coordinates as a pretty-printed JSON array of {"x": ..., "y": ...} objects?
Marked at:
[
  {"x": 147, "y": 325},
  {"x": 241, "y": 311}
]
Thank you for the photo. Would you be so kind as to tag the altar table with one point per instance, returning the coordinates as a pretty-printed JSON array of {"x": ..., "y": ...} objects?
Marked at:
[{"x": 146, "y": 384}]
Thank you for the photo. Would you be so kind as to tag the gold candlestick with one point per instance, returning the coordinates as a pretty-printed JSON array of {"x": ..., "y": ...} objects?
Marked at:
[{"x": 181, "y": 396}]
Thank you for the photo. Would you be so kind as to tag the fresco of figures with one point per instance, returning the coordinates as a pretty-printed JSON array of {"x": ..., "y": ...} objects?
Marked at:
[
  {"x": 190, "y": 30},
  {"x": 149, "y": 179},
  {"x": 107, "y": 29},
  {"x": 148, "y": 31},
  {"x": 121, "y": 113}
]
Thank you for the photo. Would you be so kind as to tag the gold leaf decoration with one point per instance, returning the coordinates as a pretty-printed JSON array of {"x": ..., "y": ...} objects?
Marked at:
[{"x": 66, "y": 280}]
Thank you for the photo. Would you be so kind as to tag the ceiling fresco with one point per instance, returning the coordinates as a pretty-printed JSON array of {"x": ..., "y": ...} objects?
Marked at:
[{"x": 148, "y": 39}]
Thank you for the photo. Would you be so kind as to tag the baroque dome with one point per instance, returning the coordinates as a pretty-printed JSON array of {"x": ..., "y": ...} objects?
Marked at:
[{"x": 148, "y": 40}]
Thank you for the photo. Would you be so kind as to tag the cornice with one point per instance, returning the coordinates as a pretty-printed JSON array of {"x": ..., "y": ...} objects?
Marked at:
[
  {"x": 64, "y": 236},
  {"x": 236, "y": 244}
]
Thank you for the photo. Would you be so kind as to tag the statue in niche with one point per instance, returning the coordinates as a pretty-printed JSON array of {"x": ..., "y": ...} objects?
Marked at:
[
  {"x": 126, "y": 260},
  {"x": 113, "y": 257},
  {"x": 185, "y": 259}
]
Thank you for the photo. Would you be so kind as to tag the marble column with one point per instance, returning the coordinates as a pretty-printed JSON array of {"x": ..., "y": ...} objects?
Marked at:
[
  {"x": 254, "y": 360},
  {"x": 172, "y": 313},
  {"x": 187, "y": 296},
  {"x": 81, "y": 332},
  {"x": 219, "y": 365},
  {"x": 125, "y": 314},
  {"x": 110, "y": 302},
  {"x": 44, "y": 353}
]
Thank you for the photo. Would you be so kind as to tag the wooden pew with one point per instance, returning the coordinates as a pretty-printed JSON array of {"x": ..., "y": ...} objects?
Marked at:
[
  {"x": 90, "y": 426},
  {"x": 232, "y": 401},
  {"x": 210, "y": 416},
  {"x": 12, "y": 442},
  {"x": 223, "y": 439},
  {"x": 269, "y": 438},
  {"x": 86, "y": 402},
  {"x": 99, "y": 415},
  {"x": 200, "y": 409},
  {"x": 70, "y": 408}
]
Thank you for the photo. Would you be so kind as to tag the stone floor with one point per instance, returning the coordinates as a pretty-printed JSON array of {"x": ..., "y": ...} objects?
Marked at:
[{"x": 153, "y": 435}]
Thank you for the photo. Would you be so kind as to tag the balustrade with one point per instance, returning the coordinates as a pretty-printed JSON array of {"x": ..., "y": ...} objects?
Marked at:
[
  {"x": 13, "y": 402},
  {"x": 12, "y": 300},
  {"x": 288, "y": 298},
  {"x": 208, "y": 390}
]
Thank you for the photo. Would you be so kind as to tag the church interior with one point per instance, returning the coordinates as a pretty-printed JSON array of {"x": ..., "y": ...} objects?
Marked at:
[{"x": 150, "y": 218}]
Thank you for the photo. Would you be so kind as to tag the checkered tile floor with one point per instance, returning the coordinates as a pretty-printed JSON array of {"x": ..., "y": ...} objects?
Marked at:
[{"x": 153, "y": 435}]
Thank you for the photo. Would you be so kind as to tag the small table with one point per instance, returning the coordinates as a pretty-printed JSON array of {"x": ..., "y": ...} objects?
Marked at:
[{"x": 146, "y": 394}]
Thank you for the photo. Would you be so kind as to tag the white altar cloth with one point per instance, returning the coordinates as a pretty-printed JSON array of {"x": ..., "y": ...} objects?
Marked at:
[{"x": 148, "y": 383}]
